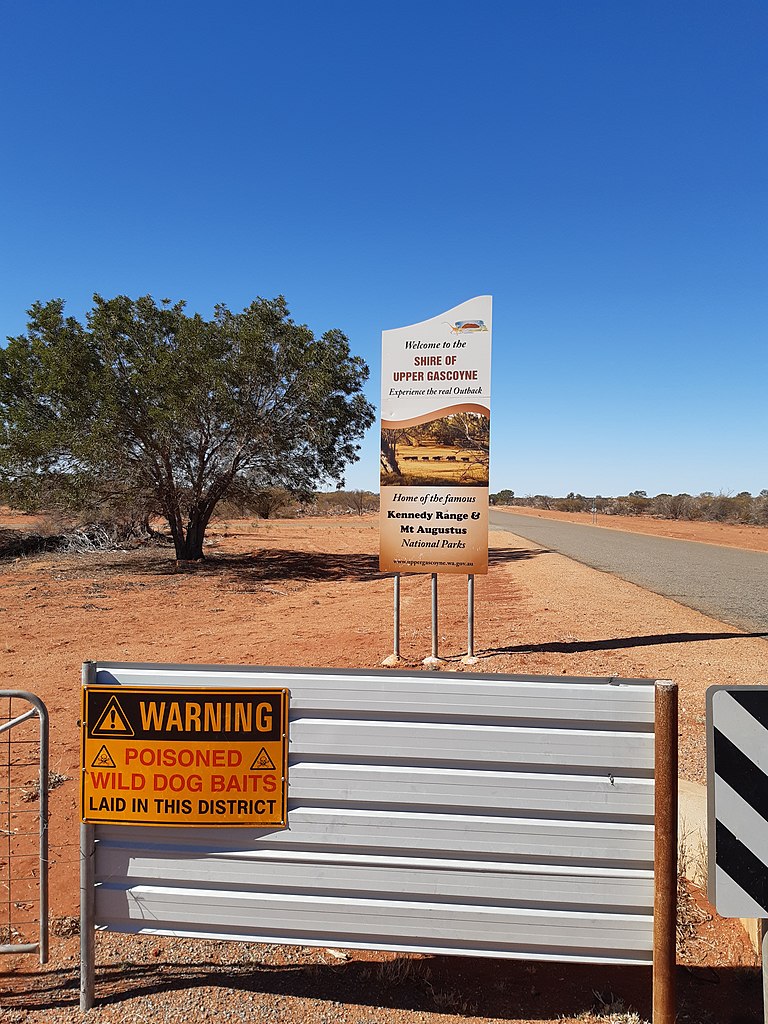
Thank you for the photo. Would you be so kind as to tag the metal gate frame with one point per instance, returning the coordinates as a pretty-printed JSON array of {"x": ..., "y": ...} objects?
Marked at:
[
  {"x": 154, "y": 855},
  {"x": 39, "y": 710}
]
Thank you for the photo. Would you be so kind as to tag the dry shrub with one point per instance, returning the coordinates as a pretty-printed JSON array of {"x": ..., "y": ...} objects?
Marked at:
[
  {"x": 64, "y": 927},
  {"x": 32, "y": 792}
]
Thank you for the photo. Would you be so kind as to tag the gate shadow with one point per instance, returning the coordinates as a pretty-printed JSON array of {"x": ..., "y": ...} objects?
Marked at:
[{"x": 467, "y": 987}]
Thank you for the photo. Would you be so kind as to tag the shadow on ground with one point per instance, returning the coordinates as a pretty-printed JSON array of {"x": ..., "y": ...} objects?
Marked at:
[
  {"x": 268, "y": 565},
  {"x": 615, "y": 643},
  {"x": 467, "y": 987},
  {"x": 275, "y": 565},
  {"x": 498, "y": 556}
]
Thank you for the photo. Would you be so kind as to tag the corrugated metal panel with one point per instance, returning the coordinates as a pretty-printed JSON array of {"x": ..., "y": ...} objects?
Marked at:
[
  {"x": 504, "y": 816},
  {"x": 550, "y": 794}
]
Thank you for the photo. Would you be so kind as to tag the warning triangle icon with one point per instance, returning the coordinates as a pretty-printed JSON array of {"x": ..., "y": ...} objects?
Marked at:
[
  {"x": 262, "y": 760},
  {"x": 113, "y": 721},
  {"x": 103, "y": 759}
]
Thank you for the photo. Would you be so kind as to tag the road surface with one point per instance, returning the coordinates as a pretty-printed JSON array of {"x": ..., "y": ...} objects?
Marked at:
[{"x": 726, "y": 583}]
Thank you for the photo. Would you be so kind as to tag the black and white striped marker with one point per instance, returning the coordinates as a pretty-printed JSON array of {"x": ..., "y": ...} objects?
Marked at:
[{"x": 737, "y": 798}]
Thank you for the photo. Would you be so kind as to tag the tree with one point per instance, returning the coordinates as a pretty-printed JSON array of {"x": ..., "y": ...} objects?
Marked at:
[
  {"x": 464, "y": 430},
  {"x": 503, "y": 497},
  {"x": 361, "y": 501},
  {"x": 390, "y": 437},
  {"x": 270, "y": 501},
  {"x": 172, "y": 412}
]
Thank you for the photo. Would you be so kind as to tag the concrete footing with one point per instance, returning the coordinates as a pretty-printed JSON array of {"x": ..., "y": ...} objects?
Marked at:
[{"x": 692, "y": 840}]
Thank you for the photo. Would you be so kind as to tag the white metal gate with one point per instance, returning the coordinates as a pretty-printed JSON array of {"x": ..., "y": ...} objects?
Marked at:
[
  {"x": 503, "y": 816},
  {"x": 23, "y": 824}
]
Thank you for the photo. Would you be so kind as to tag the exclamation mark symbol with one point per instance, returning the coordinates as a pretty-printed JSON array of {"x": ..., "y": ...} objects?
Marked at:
[{"x": 112, "y": 718}]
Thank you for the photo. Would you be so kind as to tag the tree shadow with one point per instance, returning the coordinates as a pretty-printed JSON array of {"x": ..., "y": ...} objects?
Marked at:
[
  {"x": 276, "y": 565},
  {"x": 616, "y": 643},
  {"x": 499, "y": 556},
  {"x": 266, "y": 565},
  {"x": 465, "y": 986}
]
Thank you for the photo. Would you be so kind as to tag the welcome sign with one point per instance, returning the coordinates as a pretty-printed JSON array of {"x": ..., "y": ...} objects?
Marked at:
[{"x": 435, "y": 442}]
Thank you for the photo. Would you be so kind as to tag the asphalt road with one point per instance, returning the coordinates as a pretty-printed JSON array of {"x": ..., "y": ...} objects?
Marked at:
[{"x": 726, "y": 583}]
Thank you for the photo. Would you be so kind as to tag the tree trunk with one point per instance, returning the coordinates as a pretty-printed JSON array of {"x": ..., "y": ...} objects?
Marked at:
[
  {"x": 189, "y": 545},
  {"x": 389, "y": 455}
]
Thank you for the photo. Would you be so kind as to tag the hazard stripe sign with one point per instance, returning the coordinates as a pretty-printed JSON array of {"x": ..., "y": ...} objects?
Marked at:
[{"x": 737, "y": 794}]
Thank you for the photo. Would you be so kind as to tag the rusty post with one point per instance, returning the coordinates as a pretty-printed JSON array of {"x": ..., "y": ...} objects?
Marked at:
[
  {"x": 762, "y": 934},
  {"x": 665, "y": 854}
]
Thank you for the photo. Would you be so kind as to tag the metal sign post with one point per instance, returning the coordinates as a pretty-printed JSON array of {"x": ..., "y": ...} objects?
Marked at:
[
  {"x": 469, "y": 658},
  {"x": 87, "y": 893},
  {"x": 434, "y": 658},
  {"x": 396, "y": 638},
  {"x": 393, "y": 660},
  {"x": 470, "y": 616},
  {"x": 87, "y": 927}
]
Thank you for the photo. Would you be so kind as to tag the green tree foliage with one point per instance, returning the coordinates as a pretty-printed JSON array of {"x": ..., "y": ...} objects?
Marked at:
[
  {"x": 271, "y": 502},
  {"x": 463, "y": 430},
  {"x": 572, "y": 502},
  {"x": 503, "y": 497},
  {"x": 169, "y": 413}
]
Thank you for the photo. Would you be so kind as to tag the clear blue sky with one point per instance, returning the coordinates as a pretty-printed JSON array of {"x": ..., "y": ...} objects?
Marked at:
[{"x": 598, "y": 166}]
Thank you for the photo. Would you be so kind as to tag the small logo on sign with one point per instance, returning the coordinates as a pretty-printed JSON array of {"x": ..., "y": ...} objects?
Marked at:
[
  {"x": 103, "y": 760},
  {"x": 262, "y": 760},
  {"x": 468, "y": 326},
  {"x": 113, "y": 721}
]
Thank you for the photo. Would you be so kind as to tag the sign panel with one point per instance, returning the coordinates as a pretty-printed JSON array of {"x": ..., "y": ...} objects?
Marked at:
[
  {"x": 551, "y": 865},
  {"x": 435, "y": 434},
  {"x": 178, "y": 756},
  {"x": 737, "y": 794}
]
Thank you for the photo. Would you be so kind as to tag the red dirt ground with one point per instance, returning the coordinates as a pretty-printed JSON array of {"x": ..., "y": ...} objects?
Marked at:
[{"x": 308, "y": 592}]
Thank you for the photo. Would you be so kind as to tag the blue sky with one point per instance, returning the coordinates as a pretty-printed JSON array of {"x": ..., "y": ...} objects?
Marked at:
[{"x": 598, "y": 166}]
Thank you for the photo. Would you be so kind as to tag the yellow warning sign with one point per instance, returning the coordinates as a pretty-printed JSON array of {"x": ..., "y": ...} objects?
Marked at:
[{"x": 184, "y": 756}]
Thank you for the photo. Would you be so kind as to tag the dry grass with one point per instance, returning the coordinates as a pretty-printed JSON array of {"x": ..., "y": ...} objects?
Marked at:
[
  {"x": 403, "y": 970},
  {"x": 612, "y": 1009},
  {"x": 691, "y": 876},
  {"x": 689, "y": 917}
]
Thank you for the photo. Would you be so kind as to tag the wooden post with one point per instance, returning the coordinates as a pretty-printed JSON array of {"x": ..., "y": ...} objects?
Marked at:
[{"x": 665, "y": 855}]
